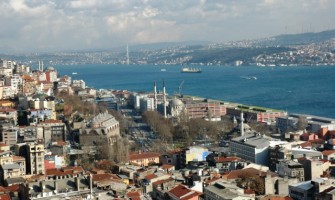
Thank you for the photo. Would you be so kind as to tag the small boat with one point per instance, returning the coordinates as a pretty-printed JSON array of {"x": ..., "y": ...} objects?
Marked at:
[
  {"x": 163, "y": 70},
  {"x": 190, "y": 70},
  {"x": 249, "y": 77},
  {"x": 74, "y": 73}
]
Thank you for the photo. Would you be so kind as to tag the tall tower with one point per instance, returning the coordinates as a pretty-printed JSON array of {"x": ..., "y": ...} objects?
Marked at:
[
  {"x": 127, "y": 55},
  {"x": 164, "y": 99},
  {"x": 155, "y": 97},
  {"x": 242, "y": 126},
  {"x": 39, "y": 65}
]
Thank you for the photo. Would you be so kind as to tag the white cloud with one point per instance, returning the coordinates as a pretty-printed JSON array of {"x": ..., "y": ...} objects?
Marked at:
[{"x": 76, "y": 24}]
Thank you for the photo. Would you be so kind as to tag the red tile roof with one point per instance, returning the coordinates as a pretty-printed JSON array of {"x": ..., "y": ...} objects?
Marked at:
[
  {"x": 328, "y": 152},
  {"x": 2, "y": 189},
  {"x": 49, "y": 164},
  {"x": 319, "y": 141},
  {"x": 143, "y": 156},
  {"x": 236, "y": 173},
  {"x": 99, "y": 177},
  {"x": 13, "y": 188},
  {"x": 183, "y": 193},
  {"x": 162, "y": 181},
  {"x": 5, "y": 197},
  {"x": 249, "y": 191},
  {"x": 18, "y": 158},
  {"x": 151, "y": 176},
  {"x": 133, "y": 194},
  {"x": 226, "y": 159},
  {"x": 166, "y": 166},
  {"x": 64, "y": 171},
  {"x": 276, "y": 197},
  {"x": 5, "y": 109}
]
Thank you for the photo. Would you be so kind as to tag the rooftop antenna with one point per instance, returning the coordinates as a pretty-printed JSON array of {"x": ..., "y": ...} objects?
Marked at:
[{"x": 127, "y": 55}]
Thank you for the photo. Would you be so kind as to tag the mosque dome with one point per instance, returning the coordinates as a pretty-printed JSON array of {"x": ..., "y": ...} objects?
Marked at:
[
  {"x": 50, "y": 69},
  {"x": 176, "y": 103}
]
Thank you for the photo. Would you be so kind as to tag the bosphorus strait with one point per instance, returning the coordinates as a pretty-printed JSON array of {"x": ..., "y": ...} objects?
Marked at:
[{"x": 300, "y": 89}]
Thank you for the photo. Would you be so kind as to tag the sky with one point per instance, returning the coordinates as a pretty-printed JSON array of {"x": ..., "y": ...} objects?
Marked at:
[{"x": 60, "y": 25}]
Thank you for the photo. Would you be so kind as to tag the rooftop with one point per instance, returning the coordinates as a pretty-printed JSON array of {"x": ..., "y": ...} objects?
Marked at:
[
  {"x": 137, "y": 156},
  {"x": 256, "y": 140}
]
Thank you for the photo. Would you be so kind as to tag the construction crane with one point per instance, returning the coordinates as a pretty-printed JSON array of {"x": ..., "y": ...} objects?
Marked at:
[{"x": 180, "y": 87}]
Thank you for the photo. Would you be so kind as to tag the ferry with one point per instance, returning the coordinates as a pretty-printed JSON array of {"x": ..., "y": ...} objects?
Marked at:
[
  {"x": 74, "y": 73},
  {"x": 190, "y": 70}
]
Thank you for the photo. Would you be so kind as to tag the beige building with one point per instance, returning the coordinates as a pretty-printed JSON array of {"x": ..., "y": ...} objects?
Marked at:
[
  {"x": 34, "y": 155},
  {"x": 204, "y": 108},
  {"x": 9, "y": 135},
  {"x": 6, "y": 157},
  {"x": 59, "y": 183},
  {"x": 314, "y": 168},
  {"x": 11, "y": 166},
  {"x": 144, "y": 159}
]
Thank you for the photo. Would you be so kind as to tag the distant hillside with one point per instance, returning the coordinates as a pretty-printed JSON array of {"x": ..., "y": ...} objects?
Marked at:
[
  {"x": 230, "y": 55},
  {"x": 165, "y": 45},
  {"x": 304, "y": 38}
]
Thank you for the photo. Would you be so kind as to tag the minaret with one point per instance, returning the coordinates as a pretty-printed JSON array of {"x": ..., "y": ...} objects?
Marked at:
[
  {"x": 155, "y": 97},
  {"x": 42, "y": 66},
  {"x": 242, "y": 127},
  {"x": 39, "y": 65},
  {"x": 164, "y": 99}
]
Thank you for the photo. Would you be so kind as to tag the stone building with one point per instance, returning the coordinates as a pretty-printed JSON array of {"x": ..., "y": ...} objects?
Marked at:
[{"x": 102, "y": 129}]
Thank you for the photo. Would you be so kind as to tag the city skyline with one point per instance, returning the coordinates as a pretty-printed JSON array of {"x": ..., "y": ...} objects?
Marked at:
[{"x": 58, "y": 25}]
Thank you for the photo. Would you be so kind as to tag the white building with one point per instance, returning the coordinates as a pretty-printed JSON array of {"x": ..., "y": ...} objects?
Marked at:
[
  {"x": 315, "y": 123},
  {"x": 147, "y": 104},
  {"x": 224, "y": 190},
  {"x": 6, "y": 71},
  {"x": 291, "y": 169},
  {"x": 135, "y": 99},
  {"x": 79, "y": 83},
  {"x": 16, "y": 83},
  {"x": 251, "y": 147}
]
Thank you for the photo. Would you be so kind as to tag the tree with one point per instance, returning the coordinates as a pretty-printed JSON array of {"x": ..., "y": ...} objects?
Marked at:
[
  {"x": 302, "y": 123},
  {"x": 106, "y": 165},
  {"x": 118, "y": 152},
  {"x": 159, "y": 124},
  {"x": 251, "y": 181},
  {"x": 121, "y": 151}
]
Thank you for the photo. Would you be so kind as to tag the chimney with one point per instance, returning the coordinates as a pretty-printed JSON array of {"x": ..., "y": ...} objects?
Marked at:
[{"x": 78, "y": 183}]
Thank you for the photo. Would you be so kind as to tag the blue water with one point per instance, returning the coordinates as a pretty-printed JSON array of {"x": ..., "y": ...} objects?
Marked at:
[{"x": 308, "y": 90}]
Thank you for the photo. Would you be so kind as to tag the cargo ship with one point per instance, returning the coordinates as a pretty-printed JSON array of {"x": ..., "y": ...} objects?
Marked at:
[{"x": 190, "y": 70}]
